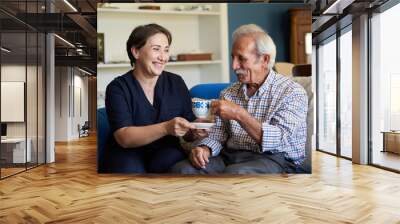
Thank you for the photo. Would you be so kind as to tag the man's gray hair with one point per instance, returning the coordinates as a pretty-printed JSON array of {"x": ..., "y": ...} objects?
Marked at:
[{"x": 264, "y": 43}]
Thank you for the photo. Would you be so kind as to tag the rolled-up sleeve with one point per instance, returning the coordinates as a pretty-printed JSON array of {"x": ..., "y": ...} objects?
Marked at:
[
  {"x": 289, "y": 119},
  {"x": 216, "y": 138}
]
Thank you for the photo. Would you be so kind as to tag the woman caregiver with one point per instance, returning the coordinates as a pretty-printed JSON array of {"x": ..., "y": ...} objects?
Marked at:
[{"x": 148, "y": 108}]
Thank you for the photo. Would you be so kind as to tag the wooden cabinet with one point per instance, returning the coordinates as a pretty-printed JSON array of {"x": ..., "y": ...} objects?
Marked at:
[
  {"x": 300, "y": 22},
  {"x": 391, "y": 142}
]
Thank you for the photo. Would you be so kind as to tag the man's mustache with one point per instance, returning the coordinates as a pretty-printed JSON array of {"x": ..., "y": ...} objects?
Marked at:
[{"x": 240, "y": 72}]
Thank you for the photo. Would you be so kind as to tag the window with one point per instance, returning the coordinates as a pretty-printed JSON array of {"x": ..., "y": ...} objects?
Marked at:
[
  {"x": 326, "y": 132},
  {"x": 385, "y": 89},
  {"x": 346, "y": 93},
  {"x": 22, "y": 77}
]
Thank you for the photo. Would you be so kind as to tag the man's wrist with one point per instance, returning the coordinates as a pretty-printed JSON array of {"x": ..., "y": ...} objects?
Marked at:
[
  {"x": 209, "y": 150},
  {"x": 206, "y": 148},
  {"x": 240, "y": 115}
]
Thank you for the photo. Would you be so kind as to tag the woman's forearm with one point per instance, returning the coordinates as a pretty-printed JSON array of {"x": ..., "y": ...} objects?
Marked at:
[{"x": 132, "y": 137}]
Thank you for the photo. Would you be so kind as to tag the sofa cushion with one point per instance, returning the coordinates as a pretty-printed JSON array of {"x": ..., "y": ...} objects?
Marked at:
[
  {"x": 306, "y": 82},
  {"x": 208, "y": 90}
]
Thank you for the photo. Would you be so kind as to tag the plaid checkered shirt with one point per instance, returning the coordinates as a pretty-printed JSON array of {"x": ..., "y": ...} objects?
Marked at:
[{"x": 280, "y": 105}]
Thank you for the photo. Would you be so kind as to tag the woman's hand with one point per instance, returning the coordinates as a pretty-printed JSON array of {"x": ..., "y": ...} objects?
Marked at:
[
  {"x": 199, "y": 157},
  {"x": 178, "y": 126}
]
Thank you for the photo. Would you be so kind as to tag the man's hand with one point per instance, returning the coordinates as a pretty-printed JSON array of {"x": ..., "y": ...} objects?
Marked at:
[
  {"x": 199, "y": 156},
  {"x": 225, "y": 109},
  {"x": 178, "y": 126},
  {"x": 200, "y": 133},
  {"x": 228, "y": 110}
]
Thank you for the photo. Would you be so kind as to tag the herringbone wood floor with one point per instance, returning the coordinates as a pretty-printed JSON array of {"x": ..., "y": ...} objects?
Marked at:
[{"x": 70, "y": 191}]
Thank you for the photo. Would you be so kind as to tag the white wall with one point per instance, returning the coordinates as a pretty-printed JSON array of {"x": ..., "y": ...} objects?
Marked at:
[
  {"x": 79, "y": 117},
  {"x": 70, "y": 83},
  {"x": 191, "y": 32},
  {"x": 61, "y": 103},
  {"x": 15, "y": 73},
  {"x": 33, "y": 126}
]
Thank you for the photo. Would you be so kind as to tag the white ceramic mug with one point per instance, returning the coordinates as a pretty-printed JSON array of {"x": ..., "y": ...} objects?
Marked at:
[{"x": 201, "y": 107}]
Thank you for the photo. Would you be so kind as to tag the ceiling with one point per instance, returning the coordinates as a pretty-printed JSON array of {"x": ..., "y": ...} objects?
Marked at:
[
  {"x": 76, "y": 23},
  {"x": 330, "y": 15},
  {"x": 76, "y": 26}
]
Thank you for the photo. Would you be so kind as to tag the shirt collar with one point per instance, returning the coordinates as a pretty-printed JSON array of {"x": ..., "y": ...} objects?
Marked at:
[{"x": 263, "y": 88}]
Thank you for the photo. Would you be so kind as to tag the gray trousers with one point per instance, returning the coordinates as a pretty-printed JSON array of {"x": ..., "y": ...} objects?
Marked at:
[{"x": 239, "y": 162}]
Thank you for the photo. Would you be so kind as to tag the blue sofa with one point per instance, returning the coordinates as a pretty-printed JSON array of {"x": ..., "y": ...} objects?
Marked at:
[
  {"x": 103, "y": 133},
  {"x": 205, "y": 91}
]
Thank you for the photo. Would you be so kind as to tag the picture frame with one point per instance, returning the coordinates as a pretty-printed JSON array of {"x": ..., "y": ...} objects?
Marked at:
[{"x": 100, "y": 48}]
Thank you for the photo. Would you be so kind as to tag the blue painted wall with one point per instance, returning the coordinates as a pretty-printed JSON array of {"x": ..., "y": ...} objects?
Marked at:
[{"x": 273, "y": 18}]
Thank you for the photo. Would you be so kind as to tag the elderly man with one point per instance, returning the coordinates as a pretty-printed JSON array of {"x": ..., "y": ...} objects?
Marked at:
[{"x": 260, "y": 120}]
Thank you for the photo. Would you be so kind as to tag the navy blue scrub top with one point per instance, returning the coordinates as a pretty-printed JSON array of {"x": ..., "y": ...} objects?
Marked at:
[{"x": 127, "y": 105}]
